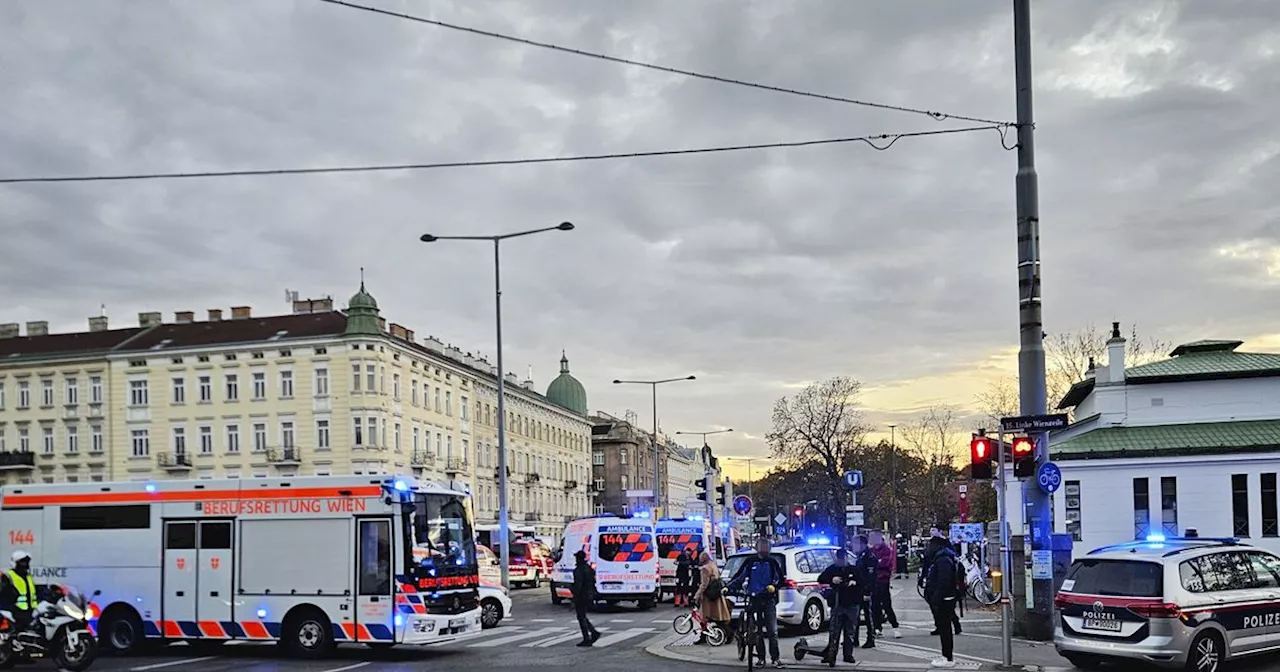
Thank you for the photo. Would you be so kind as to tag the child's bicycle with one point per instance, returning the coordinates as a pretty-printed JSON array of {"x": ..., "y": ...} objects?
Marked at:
[{"x": 684, "y": 623}]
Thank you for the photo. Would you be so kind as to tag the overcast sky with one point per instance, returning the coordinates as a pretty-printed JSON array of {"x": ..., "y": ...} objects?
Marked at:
[{"x": 755, "y": 271}]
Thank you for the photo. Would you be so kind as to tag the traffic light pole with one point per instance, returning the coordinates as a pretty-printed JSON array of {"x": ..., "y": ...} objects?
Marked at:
[{"x": 1006, "y": 625}]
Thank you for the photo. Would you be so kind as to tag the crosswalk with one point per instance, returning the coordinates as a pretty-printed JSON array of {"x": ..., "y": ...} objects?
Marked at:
[{"x": 538, "y": 634}]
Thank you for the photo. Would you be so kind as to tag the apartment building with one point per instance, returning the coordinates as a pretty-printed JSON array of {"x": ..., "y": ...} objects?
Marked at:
[{"x": 318, "y": 391}]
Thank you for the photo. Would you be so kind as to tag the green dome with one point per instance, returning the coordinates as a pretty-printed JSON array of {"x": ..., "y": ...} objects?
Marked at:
[
  {"x": 362, "y": 313},
  {"x": 566, "y": 391},
  {"x": 363, "y": 299}
]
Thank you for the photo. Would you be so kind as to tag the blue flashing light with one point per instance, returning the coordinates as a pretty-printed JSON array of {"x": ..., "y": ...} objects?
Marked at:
[
  {"x": 818, "y": 541},
  {"x": 1155, "y": 538},
  {"x": 641, "y": 514},
  {"x": 262, "y": 614},
  {"x": 399, "y": 620},
  {"x": 151, "y": 487},
  {"x": 401, "y": 486},
  {"x": 697, "y": 518}
]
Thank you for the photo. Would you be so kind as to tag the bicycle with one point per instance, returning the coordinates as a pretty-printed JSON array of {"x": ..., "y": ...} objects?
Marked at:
[
  {"x": 751, "y": 634},
  {"x": 980, "y": 585},
  {"x": 684, "y": 623}
]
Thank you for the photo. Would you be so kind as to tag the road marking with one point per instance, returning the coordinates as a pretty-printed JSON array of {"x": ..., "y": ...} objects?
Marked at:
[
  {"x": 938, "y": 653},
  {"x": 172, "y": 663},
  {"x": 622, "y": 620},
  {"x": 542, "y": 620},
  {"x": 479, "y": 635},
  {"x": 558, "y": 640},
  {"x": 489, "y": 643},
  {"x": 349, "y": 667},
  {"x": 622, "y": 636}
]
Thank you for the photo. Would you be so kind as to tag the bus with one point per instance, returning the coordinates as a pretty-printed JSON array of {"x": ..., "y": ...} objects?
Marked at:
[{"x": 307, "y": 562}]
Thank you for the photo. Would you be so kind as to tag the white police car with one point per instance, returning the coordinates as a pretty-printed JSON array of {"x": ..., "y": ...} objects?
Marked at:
[
  {"x": 800, "y": 601},
  {"x": 1189, "y": 603}
]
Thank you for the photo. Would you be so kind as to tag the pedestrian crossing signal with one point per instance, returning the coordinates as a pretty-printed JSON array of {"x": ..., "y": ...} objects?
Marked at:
[
  {"x": 1024, "y": 457},
  {"x": 980, "y": 464}
]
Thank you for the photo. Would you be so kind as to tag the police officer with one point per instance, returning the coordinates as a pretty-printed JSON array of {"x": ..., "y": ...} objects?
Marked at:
[{"x": 18, "y": 588}]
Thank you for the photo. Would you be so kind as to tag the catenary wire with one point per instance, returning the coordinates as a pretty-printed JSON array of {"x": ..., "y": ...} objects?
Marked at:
[
  {"x": 879, "y": 142},
  {"x": 940, "y": 116}
]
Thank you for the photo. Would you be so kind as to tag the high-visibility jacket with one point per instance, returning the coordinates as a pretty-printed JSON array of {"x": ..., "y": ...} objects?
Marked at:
[{"x": 26, "y": 587}]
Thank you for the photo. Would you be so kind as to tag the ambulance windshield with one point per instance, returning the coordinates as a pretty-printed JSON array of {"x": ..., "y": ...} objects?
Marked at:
[{"x": 442, "y": 532}]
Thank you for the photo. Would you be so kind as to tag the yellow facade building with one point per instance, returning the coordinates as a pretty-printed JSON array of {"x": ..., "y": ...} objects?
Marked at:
[{"x": 315, "y": 392}]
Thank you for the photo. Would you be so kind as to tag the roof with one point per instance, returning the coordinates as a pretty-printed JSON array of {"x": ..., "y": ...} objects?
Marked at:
[
  {"x": 81, "y": 343},
  {"x": 566, "y": 391},
  {"x": 226, "y": 332},
  {"x": 1204, "y": 438},
  {"x": 1197, "y": 360}
]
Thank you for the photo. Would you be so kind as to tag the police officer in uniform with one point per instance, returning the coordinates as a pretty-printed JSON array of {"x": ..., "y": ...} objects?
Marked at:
[{"x": 18, "y": 589}]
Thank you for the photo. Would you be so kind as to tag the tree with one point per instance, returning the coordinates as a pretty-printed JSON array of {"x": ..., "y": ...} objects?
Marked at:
[
  {"x": 821, "y": 428},
  {"x": 934, "y": 436},
  {"x": 983, "y": 507}
]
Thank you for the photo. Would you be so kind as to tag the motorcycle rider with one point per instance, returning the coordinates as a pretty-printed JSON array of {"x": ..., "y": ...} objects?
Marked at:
[{"x": 18, "y": 589}]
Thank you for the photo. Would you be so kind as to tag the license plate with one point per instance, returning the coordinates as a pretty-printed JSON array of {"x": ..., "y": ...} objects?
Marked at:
[
  {"x": 614, "y": 588},
  {"x": 1106, "y": 625},
  {"x": 423, "y": 626},
  {"x": 457, "y": 622}
]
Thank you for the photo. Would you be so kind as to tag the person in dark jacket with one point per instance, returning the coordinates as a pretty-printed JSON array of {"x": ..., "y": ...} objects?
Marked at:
[
  {"x": 762, "y": 578},
  {"x": 940, "y": 593},
  {"x": 846, "y": 597},
  {"x": 880, "y": 599},
  {"x": 584, "y": 593},
  {"x": 684, "y": 570},
  {"x": 867, "y": 566},
  {"x": 935, "y": 542}
]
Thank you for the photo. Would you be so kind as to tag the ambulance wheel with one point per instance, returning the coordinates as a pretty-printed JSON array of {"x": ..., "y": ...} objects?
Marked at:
[
  {"x": 120, "y": 631},
  {"x": 307, "y": 633}
]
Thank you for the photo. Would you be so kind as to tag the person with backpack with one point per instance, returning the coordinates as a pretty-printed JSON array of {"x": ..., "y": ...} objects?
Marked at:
[
  {"x": 940, "y": 593},
  {"x": 762, "y": 578}
]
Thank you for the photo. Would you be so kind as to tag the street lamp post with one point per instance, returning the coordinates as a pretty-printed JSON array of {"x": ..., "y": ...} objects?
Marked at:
[
  {"x": 706, "y": 473},
  {"x": 893, "y": 477},
  {"x": 657, "y": 475},
  {"x": 504, "y": 526}
]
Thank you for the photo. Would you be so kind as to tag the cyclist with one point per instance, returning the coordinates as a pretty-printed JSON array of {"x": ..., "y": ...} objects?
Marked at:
[{"x": 762, "y": 577}]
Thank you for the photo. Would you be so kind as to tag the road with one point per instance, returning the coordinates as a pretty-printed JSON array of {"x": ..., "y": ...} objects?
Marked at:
[{"x": 536, "y": 634}]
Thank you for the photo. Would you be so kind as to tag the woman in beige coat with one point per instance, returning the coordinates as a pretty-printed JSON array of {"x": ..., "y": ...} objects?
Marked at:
[{"x": 714, "y": 608}]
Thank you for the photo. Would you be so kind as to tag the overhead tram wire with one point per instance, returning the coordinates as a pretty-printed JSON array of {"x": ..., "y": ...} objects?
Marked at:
[
  {"x": 881, "y": 142},
  {"x": 939, "y": 116}
]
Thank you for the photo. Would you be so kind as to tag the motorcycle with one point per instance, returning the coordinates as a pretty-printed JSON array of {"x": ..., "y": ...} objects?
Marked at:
[{"x": 59, "y": 630}]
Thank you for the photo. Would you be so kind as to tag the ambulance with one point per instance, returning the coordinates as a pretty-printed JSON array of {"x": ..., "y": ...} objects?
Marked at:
[
  {"x": 674, "y": 536},
  {"x": 623, "y": 551},
  {"x": 306, "y": 562}
]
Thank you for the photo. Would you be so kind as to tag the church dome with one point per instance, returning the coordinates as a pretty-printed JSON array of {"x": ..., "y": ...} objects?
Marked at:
[{"x": 566, "y": 391}]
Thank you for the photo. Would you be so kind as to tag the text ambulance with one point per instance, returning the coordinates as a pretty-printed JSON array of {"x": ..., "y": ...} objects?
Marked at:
[
  {"x": 308, "y": 562},
  {"x": 674, "y": 536},
  {"x": 624, "y": 555}
]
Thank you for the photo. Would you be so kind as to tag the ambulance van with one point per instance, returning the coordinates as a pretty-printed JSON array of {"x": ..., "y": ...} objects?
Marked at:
[
  {"x": 623, "y": 551},
  {"x": 674, "y": 536}
]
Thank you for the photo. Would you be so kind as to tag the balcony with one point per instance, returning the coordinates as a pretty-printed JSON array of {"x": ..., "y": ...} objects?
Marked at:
[
  {"x": 287, "y": 455},
  {"x": 174, "y": 461},
  {"x": 455, "y": 465},
  {"x": 531, "y": 517},
  {"x": 421, "y": 458},
  {"x": 570, "y": 485},
  {"x": 17, "y": 460},
  {"x": 530, "y": 479},
  {"x": 497, "y": 473}
]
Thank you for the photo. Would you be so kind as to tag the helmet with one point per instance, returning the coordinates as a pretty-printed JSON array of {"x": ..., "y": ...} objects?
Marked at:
[{"x": 18, "y": 556}]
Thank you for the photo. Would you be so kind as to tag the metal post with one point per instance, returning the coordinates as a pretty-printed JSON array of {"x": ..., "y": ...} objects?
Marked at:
[
  {"x": 1031, "y": 374},
  {"x": 657, "y": 473},
  {"x": 893, "y": 477},
  {"x": 1006, "y": 625},
  {"x": 503, "y": 513}
]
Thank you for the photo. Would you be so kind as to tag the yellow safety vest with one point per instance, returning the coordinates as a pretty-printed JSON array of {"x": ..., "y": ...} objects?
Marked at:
[{"x": 26, "y": 587}]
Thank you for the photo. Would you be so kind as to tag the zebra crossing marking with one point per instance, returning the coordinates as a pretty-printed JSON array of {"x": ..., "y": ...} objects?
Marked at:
[
  {"x": 545, "y": 637},
  {"x": 622, "y": 636},
  {"x": 499, "y": 641},
  {"x": 564, "y": 639}
]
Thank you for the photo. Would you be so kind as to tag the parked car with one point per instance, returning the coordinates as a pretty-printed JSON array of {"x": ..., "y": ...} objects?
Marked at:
[
  {"x": 800, "y": 602},
  {"x": 530, "y": 563},
  {"x": 1191, "y": 603},
  {"x": 495, "y": 604},
  {"x": 489, "y": 569}
]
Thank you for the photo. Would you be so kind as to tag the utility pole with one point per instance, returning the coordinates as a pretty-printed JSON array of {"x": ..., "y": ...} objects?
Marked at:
[{"x": 1031, "y": 376}]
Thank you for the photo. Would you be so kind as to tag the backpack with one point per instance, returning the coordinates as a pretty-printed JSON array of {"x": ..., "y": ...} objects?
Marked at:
[{"x": 962, "y": 578}]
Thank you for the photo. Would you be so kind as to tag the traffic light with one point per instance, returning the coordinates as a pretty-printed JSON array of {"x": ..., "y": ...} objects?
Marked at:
[
  {"x": 720, "y": 495},
  {"x": 980, "y": 464},
  {"x": 1024, "y": 457},
  {"x": 702, "y": 488}
]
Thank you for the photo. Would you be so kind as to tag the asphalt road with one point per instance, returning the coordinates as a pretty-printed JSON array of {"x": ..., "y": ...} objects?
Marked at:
[{"x": 536, "y": 634}]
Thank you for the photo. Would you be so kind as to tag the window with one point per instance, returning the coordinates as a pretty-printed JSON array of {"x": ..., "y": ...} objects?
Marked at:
[
  {"x": 140, "y": 442},
  {"x": 138, "y": 393},
  {"x": 322, "y": 434},
  {"x": 1130, "y": 578},
  {"x": 417, "y": 439},
  {"x": 95, "y": 439},
  {"x": 355, "y": 377},
  {"x": 626, "y": 482},
  {"x": 47, "y": 434},
  {"x": 1141, "y": 508},
  {"x": 357, "y": 432},
  {"x": 24, "y": 394},
  {"x": 597, "y": 458},
  {"x": 1169, "y": 506},
  {"x": 448, "y": 404},
  {"x": 437, "y": 400},
  {"x": 413, "y": 392},
  {"x": 73, "y": 439},
  {"x": 206, "y": 440},
  {"x": 179, "y": 390},
  {"x": 179, "y": 441},
  {"x": 259, "y": 385},
  {"x": 233, "y": 440},
  {"x": 375, "y": 557},
  {"x": 395, "y": 386},
  {"x": 370, "y": 378},
  {"x": 73, "y": 391},
  {"x": 233, "y": 387},
  {"x": 2, "y": 394},
  {"x": 448, "y": 446},
  {"x": 286, "y": 433},
  {"x": 111, "y": 517},
  {"x": 322, "y": 382},
  {"x": 373, "y": 431},
  {"x": 1220, "y": 572},
  {"x": 622, "y": 456},
  {"x": 95, "y": 389},
  {"x": 397, "y": 437},
  {"x": 46, "y": 392},
  {"x": 259, "y": 437},
  {"x": 1269, "y": 505},
  {"x": 24, "y": 440},
  {"x": 1071, "y": 490},
  {"x": 382, "y": 379},
  {"x": 1240, "y": 505},
  {"x": 206, "y": 389},
  {"x": 286, "y": 384}
]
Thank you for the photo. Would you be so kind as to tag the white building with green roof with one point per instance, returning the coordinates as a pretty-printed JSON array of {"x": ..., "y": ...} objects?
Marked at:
[{"x": 1189, "y": 442}]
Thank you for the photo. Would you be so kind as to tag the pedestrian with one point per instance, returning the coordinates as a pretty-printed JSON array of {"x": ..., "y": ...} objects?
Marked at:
[
  {"x": 900, "y": 549},
  {"x": 762, "y": 576},
  {"x": 940, "y": 593},
  {"x": 846, "y": 598},
  {"x": 868, "y": 566},
  {"x": 881, "y": 599},
  {"x": 584, "y": 594},
  {"x": 684, "y": 568},
  {"x": 709, "y": 597}
]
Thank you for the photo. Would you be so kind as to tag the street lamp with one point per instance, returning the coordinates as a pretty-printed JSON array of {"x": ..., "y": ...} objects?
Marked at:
[
  {"x": 503, "y": 513},
  {"x": 657, "y": 476},
  {"x": 893, "y": 482},
  {"x": 711, "y": 502}
]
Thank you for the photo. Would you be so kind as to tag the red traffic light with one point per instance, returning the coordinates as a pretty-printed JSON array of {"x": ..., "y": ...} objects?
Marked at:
[
  {"x": 799, "y": 511},
  {"x": 1023, "y": 447},
  {"x": 980, "y": 448}
]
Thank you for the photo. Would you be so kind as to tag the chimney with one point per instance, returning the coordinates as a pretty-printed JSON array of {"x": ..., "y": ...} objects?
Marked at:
[
  {"x": 9, "y": 330},
  {"x": 433, "y": 344},
  {"x": 241, "y": 312},
  {"x": 215, "y": 314},
  {"x": 149, "y": 319},
  {"x": 1092, "y": 371},
  {"x": 39, "y": 328},
  {"x": 513, "y": 380},
  {"x": 98, "y": 323},
  {"x": 454, "y": 353},
  {"x": 1115, "y": 355},
  {"x": 184, "y": 317},
  {"x": 304, "y": 306},
  {"x": 408, "y": 335},
  {"x": 397, "y": 331},
  {"x": 528, "y": 380}
]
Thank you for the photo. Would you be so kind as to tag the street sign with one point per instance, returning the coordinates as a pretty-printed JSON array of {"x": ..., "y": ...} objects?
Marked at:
[
  {"x": 1049, "y": 476},
  {"x": 852, "y": 507},
  {"x": 762, "y": 519},
  {"x": 780, "y": 518},
  {"x": 970, "y": 532},
  {"x": 1033, "y": 423},
  {"x": 855, "y": 518},
  {"x": 782, "y": 530},
  {"x": 742, "y": 505},
  {"x": 853, "y": 479}
]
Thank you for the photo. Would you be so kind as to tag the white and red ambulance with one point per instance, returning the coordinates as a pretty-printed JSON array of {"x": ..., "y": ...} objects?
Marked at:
[
  {"x": 674, "y": 536},
  {"x": 308, "y": 562}
]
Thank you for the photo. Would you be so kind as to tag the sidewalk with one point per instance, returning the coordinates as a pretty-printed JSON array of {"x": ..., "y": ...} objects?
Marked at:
[{"x": 977, "y": 648}]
